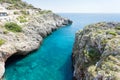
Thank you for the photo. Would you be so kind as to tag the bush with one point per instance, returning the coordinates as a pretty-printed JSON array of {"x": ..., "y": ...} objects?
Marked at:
[
  {"x": 24, "y": 12},
  {"x": 45, "y": 11},
  {"x": 22, "y": 19},
  {"x": 30, "y": 6},
  {"x": 104, "y": 41},
  {"x": 112, "y": 32},
  {"x": 93, "y": 53},
  {"x": 10, "y": 7},
  {"x": 118, "y": 27},
  {"x": 2, "y": 42},
  {"x": 17, "y": 4},
  {"x": 16, "y": 12},
  {"x": 5, "y": 32},
  {"x": 13, "y": 27}
]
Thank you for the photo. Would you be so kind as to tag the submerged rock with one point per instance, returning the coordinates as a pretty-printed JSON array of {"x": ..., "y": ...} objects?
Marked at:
[
  {"x": 30, "y": 38},
  {"x": 96, "y": 52}
]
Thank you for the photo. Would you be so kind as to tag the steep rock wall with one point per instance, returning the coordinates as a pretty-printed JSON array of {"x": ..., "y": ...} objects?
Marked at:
[{"x": 96, "y": 52}]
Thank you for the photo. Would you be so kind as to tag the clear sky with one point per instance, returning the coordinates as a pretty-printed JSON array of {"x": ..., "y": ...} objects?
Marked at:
[{"x": 78, "y": 6}]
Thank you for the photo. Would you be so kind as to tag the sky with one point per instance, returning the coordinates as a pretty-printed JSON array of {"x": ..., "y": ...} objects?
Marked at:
[{"x": 78, "y": 6}]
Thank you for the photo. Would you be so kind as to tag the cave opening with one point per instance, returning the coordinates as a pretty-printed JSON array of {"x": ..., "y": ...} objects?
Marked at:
[{"x": 13, "y": 59}]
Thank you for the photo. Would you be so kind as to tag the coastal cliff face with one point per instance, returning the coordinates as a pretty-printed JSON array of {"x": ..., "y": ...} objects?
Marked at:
[
  {"x": 30, "y": 38},
  {"x": 96, "y": 52}
]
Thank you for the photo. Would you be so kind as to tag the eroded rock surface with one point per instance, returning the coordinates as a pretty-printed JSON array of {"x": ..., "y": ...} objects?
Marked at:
[
  {"x": 30, "y": 38},
  {"x": 96, "y": 52}
]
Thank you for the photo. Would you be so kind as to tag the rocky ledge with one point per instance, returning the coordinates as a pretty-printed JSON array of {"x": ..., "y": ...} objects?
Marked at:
[
  {"x": 96, "y": 52},
  {"x": 30, "y": 38}
]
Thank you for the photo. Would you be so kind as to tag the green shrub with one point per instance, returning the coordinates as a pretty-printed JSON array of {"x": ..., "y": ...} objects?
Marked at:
[
  {"x": 30, "y": 6},
  {"x": 24, "y": 12},
  {"x": 13, "y": 27},
  {"x": 117, "y": 27},
  {"x": 112, "y": 32},
  {"x": 104, "y": 41},
  {"x": 45, "y": 11},
  {"x": 10, "y": 7},
  {"x": 93, "y": 53},
  {"x": 22, "y": 19},
  {"x": 17, "y": 4},
  {"x": 48, "y": 11},
  {"x": 2, "y": 42},
  {"x": 16, "y": 12},
  {"x": 5, "y": 32}
]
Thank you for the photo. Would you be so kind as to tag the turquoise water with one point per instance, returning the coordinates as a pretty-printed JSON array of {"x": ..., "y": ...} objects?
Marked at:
[{"x": 53, "y": 59}]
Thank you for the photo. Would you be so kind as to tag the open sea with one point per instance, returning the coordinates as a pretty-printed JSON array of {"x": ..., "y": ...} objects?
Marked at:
[{"x": 52, "y": 61}]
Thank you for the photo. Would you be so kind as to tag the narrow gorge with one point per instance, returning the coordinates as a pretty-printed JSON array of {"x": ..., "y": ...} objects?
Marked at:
[
  {"x": 30, "y": 38},
  {"x": 38, "y": 44}
]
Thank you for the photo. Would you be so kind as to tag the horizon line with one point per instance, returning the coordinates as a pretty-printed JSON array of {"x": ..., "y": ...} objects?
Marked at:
[{"x": 90, "y": 12}]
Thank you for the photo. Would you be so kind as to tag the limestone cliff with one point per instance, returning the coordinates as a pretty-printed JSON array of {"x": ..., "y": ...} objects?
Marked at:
[
  {"x": 96, "y": 52},
  {"x": 30, "y": 38}
]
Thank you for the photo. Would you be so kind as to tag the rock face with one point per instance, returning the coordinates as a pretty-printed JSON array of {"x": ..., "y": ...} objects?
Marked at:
[
  {"x": 30, "y": 39},
  {"x": 96, "y": 52}
]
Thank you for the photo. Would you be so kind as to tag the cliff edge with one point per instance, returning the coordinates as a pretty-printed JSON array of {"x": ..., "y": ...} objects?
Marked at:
[
  {"x": 30, "y": 38},
  {"x": 96, "y": 52}
]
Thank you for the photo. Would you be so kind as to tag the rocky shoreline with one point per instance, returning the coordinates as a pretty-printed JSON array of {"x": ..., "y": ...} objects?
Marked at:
[
  {"x": 96, "y": 52},
  {"x": 30, "y": 38}
]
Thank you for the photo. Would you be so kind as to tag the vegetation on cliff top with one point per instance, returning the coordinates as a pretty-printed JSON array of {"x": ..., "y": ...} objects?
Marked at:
[
  {"x": 13, "y": 27},
  {"x": 17, "y": 4},
  {"x": 22, "y": 19},
  {"x": 2, "y": 42},
  {"x": 97, "y": 51}
]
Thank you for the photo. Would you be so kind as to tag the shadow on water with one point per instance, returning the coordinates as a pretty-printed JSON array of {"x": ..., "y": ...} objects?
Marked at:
[
  {"x": 15, "y": 58},
  {"x": 67, "y": 68}
]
